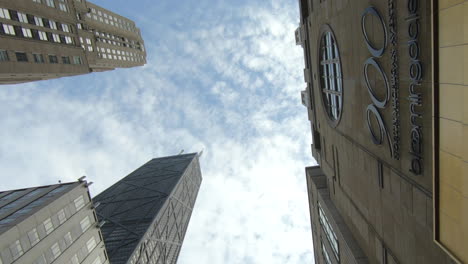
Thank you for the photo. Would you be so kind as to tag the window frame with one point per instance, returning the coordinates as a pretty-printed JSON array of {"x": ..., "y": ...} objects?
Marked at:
[{"x": 330, "y": 75}]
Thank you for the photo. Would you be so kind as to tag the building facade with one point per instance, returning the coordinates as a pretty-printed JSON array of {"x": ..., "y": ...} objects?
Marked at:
[
  {"x": 385, "y": 98},
  {"x": 50, "y": 224},
  {"x": 147, "y": 213},
  {"x": 45, "y": 39}
]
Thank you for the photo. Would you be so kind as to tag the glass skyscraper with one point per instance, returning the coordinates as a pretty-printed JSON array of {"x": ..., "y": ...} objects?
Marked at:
[{"x": 147, "y": 212}]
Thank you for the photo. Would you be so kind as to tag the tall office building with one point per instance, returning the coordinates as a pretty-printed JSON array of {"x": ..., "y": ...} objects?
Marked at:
[
  {"x": 50, "y": 224},
  {"x": 386, "y": 98},
  {"x": 45, "y": 39},
  {"x": 146, "y": 213}
]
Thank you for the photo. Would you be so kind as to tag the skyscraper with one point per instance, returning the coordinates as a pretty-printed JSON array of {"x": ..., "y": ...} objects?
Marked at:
[
  {"x": 50, "y": 224},
  {"x": 147, "y": 212},
  {"x": 386, "y": 100},
  {"x": 45, "y": 39}
]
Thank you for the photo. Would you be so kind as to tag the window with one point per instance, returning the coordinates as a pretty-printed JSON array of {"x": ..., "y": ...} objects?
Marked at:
[
  {"x": 68, "y": 40},
  {"x": 66, "y": 60},
  {"x": 16, "y": 250},
  {"x": 48, "y": 226},
  {"x": 56, "y": 38},
  {"x": 63, "y": 7},
  {"x": 27, "y": 32},
  {"x": 65, "y": 28},
  {"x": 55, "y": 248},
  {"x": 4, "y": 55},
  {"x": 332, "y": 238},
  {"x": 68, "y": 239},
  {"x": 331, "y": 79},
  {"x": 33, "y": 237},
  {"x": 91, "y": 244},
  {"x": 74, "y": 260},
  {"x": 38, "y": 21},
  {"x": 88, "y": 41},
  {"x": 4, "y": 13},
  {"x": 53, "y": 24},
  {"x": 38, "y": 58},
  {"x": 77, "y": 60},
  {"x": 85, "y": 223},
  {"x": 79, "y": 202},
  {"x": 61, "y": 214},
  {"x": 22, "y": 17},
  {"x": 97, "y": 260},
  {"x": 42, "y": 35},
  {"x": 50, "y": 3},
  {"x": 40, "y": 260},
  {"x": 21, "y": 56},
  {"x": 90, "y": 48},
  {"x": 37, "y": 1},
  {"x": 8, "y": 29},
  {"x": 53, "y": 59},
  {"x": 326, "y": 257}
]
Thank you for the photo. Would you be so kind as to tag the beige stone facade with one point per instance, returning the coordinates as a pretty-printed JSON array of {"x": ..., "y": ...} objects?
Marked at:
[
  {"x": 50, "y": 224},
  {"x": 45, "y": 39},
  {"x": 369, "y": 69}
]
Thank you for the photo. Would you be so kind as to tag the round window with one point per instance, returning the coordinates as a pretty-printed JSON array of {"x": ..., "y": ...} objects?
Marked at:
[{"x": 331, "y": 79}]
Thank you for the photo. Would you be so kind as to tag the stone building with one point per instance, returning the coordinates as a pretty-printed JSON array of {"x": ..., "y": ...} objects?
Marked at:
[
  {"x": 386, "y": 86},
  {"x": 50, "y": 224},
  {"x": 45, "y": 39}
]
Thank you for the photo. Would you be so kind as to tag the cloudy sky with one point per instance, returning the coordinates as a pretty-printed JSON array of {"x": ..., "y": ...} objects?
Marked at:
[{"x": 223, "y": 76}]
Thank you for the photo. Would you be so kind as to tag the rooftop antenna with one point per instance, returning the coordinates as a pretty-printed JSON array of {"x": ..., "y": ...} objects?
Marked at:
[
  {"x": 182, "y": 151},
  {"x": 201, "y": 153}
]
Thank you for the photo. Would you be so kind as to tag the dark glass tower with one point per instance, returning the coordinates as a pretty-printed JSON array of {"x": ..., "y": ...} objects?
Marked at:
[{"x": 146, "y": 213}]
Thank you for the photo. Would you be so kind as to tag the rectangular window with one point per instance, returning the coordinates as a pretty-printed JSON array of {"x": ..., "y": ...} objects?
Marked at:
[
  {"x": 48, "y": 226},
  {"x": 4, "y": 13},
  {"x": 68, "y": 40},
  {"x": 27, "y": 32},
  {"x": 42, "y": 35},
  {"x": 77, "y": 60},
  {"x": 332, "y": 238},
  {"x": 38, "y": 21},
  {"x": 50, "y": 3},
  {"x": 56, "y": 38},
  {"x": 68, "y": 239},
  {"x": 90, "y": 48},
  {"x": 55, "y": 248},
  {"x": 21, "y": 56},
  {"x": 63, "y": 7},
  {"x": 79, "y": 203},
  {"x": 22, "y": 17},
  {"x": 16, "y": 250},
  {"x": 53, "y": 59},
  {"x": 8, "y": 29},
  {"x": 85, "y": 223},
  {"x": 61, "y": 214},
  {"x": 74, "y": 260},
  {"x": 4, "y": 55},
  {"x": 33, "y": 237},
  {"x": 65, "y": 28},
  {"x": 66, "y": 60},
  {"x": 326, "y": 257},
  {"x": 37, "y": 1},
  {"x": 40, "y": 260},
  {"x": 91, "y": 244},
  {"x": 97, "y": 260},
  {"x": 53, "y": 24}
]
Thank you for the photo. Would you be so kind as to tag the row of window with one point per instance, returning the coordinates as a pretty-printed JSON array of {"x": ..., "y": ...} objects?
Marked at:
[
  {"x": 118, "y": 41},
  {"x": 112, "y": 54},
  {"x": 62, "y": 4},
  {"x": 16, "y": 249},
  {"x": 58, "y": 247},
  {"x": 332, "y": 238},
  {"x": 13, "y": 30},
  {"x": 39, "y": 58},
  {"x": 103, "y": 17},
  {"x": 34, "y": 20}
]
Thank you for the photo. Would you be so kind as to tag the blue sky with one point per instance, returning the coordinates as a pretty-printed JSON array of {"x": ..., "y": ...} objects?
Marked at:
[{"x": 222, "y": 76}]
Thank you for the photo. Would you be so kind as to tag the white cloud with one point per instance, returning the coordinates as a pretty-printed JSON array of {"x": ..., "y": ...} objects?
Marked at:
[{"x": 229, "y": 85}]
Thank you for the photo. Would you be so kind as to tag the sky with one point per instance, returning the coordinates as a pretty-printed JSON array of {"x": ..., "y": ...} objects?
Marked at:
[{"x": 221, "y": 76}]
